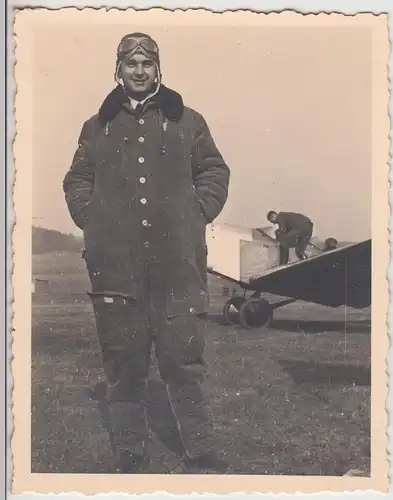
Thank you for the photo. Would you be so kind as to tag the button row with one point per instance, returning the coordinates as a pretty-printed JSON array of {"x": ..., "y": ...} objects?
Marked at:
[{"x": 142, "y": 180}]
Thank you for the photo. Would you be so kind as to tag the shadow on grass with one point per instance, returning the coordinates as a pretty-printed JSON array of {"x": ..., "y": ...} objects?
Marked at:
[
  {"x": 307, "y": 372},
  {"x": 304, "y": 326}
]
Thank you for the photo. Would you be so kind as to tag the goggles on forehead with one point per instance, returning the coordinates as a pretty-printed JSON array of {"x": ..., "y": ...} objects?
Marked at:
[{"x": 137, "y": 44}]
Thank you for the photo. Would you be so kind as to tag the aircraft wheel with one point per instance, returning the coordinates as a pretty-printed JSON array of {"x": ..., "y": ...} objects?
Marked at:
[
  {"x": 255, "y": 313},
  {"x": 231, "y": 310}
]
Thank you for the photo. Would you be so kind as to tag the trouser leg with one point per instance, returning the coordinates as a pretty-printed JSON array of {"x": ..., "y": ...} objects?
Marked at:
[
  {"x": 284, "y": 255},
  {"x": 303, "y": 241},
  {"x": 284, "y": 247},
  {"x": 125, "y": 342},
  {"x": 294, "y": 238},
  {"x": 179, "y": 346}
]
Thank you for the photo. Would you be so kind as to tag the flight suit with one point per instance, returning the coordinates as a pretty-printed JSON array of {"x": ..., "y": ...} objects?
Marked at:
[{"x": 142, "y": 186}]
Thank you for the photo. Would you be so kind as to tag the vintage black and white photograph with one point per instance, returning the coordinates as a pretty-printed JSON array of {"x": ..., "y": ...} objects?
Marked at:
[{"x": 205, "y": 236}]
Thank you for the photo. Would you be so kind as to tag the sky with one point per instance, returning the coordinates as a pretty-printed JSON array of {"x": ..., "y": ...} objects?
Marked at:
[{"x": 288, "y": 107}]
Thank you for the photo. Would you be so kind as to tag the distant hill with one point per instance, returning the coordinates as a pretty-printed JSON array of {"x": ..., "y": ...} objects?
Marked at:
[
  {"x": 56, "y": 253},
  {"x": 49, "y": 240}
]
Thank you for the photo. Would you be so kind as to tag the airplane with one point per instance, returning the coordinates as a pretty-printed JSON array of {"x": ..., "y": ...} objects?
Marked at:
[{"x": 332, "y": 275}]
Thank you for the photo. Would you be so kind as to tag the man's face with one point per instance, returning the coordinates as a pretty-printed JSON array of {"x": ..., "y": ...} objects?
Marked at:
[
  {"x": 138, "y": 74},
  {"x": 273, "y": 218}
]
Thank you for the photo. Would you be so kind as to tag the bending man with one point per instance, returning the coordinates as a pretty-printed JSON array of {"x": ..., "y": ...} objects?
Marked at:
[{"x": 294, "y": 231}]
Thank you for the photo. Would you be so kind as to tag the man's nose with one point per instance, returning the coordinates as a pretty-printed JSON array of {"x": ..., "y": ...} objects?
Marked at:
[{"x": 139, "y": 69}]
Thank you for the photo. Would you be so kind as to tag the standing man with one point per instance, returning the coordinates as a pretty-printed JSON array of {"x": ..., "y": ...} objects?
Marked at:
[
  {"x": 145, "y": 180},
  {"x": 294, "y": 230}
]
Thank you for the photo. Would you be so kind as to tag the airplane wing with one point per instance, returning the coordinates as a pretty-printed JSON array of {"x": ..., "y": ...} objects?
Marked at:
[
  {"x": 335, "y": 278},
  {"x": 250, "y": 257}
]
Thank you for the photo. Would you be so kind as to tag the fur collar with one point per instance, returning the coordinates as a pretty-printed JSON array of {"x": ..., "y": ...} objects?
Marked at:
[{"x": 169, "y": 101}]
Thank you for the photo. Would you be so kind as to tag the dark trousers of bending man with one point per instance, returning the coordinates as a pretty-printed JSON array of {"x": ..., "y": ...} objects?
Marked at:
[
  {"x": 298, "y": 239},
  {"x": 145, "y": 180},
  {"x": 294, "y": 231}
]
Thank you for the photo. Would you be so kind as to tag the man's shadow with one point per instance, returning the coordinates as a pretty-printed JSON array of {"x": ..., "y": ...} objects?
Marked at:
[{"x": 161, "y": 420}]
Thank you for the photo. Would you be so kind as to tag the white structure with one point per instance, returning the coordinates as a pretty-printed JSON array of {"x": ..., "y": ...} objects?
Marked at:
[{"x": 240, "y": 253}]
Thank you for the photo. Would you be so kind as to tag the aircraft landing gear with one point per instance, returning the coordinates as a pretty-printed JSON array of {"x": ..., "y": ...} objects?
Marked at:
[
  {"x": 249, "y": 313},
  {"x": 231, "y": 310},
  {"x": 255, "y": 313}
]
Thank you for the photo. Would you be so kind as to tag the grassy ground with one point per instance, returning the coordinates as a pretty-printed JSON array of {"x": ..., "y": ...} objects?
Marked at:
[{"x": 293, "y": 399}]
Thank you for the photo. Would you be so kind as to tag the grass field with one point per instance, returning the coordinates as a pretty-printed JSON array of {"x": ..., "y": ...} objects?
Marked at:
[{"x": 292, "y": 399}]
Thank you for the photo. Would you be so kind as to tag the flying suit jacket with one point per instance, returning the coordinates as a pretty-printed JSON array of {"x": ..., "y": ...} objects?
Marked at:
[
  {"x": 142, "y": 186},
  {"x": 289, "y": 221}
]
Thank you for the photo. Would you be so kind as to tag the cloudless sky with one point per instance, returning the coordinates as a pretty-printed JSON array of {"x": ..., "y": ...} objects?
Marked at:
[{"x": 289, "y": 108}]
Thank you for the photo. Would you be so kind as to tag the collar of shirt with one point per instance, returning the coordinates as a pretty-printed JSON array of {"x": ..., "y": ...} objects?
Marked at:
[{"x": 134, "y": 103}]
